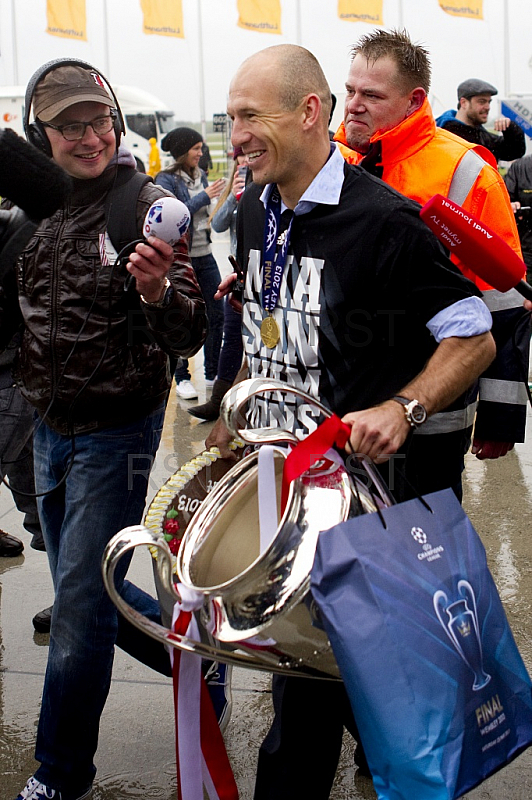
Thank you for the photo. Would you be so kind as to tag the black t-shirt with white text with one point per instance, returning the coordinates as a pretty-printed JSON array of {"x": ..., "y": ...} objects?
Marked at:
[{"x": 361, "y": 281}]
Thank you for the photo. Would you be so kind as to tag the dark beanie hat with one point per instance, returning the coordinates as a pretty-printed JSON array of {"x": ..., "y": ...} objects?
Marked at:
[{"x": 180, "y": 140}]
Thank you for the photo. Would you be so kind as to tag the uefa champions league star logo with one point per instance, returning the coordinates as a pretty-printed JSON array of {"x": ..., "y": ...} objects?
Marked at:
[
  {"x": 272, "y": 229},
  {"x": 429, "y": 553},
  {"x": 419, "y": 535},
  {"x": 462, "y": 628}
]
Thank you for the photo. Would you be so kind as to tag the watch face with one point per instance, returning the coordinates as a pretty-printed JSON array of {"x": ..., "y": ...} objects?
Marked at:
[
  {"x": 418, "y": 413},
  {"x": 415, "y": 412}
]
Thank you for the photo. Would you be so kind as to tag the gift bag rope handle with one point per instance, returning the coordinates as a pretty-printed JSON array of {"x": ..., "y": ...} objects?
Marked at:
[{"x": 418, "y": 496}]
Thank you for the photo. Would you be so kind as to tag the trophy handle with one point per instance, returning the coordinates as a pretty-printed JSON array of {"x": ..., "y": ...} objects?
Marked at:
[
  {"x": 437, "y": 599},
  {"x": 137, "y": 536},
  {"x": 466, "y": 591},
  {"x": 238, "y": 396},
  {"x": 475, "y": 661}
]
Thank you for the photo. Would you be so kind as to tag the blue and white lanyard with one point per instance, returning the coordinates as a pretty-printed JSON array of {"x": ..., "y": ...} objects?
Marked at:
[{"x": 275, "y": 251}]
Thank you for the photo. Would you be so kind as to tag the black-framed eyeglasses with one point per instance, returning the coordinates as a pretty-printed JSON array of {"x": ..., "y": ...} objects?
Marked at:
[{"x": 76, "y": 130}]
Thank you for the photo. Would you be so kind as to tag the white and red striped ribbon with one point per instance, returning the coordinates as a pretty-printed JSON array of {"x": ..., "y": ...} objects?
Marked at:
[{"x": 201, "y": 756}]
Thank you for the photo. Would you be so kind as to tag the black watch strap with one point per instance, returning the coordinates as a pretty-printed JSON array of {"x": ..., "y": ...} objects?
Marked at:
[{"x": 415, "y": 412}]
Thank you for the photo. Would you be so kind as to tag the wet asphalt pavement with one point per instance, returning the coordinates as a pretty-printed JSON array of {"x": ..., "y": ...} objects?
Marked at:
[{"x": 136, "y": 756}]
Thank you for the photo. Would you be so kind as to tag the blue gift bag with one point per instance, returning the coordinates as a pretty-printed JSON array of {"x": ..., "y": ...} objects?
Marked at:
[{"x": 439, "y": 691}]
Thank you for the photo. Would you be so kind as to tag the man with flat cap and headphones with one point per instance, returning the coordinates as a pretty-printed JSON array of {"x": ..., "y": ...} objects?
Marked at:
[
  {"x": 94, "y": 363},
  {"x": 474, "y": 100}
]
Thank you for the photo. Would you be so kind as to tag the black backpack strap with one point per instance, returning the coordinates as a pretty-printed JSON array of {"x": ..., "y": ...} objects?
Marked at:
[{"x": 121, "y": 206}]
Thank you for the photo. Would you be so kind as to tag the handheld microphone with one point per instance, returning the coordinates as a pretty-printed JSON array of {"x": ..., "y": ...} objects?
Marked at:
[
  {"x": 167, "y": 219},
  {"x": 482, "y": 250}
]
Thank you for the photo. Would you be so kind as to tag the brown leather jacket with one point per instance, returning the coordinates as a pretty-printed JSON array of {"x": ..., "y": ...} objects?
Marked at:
[{"x": 92, "y": 354}]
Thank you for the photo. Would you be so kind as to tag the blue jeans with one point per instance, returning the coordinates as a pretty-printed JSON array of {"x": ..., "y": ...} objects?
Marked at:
[
  {"x": 208, "y": 276},
  {"x": 104, "y": 490}
]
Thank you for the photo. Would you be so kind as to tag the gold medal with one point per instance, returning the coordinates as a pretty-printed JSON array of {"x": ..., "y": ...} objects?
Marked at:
[{"x": 269, "y": 332}]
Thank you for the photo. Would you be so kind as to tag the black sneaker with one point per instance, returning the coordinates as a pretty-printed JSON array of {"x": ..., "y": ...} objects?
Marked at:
[
  {"x": 34, "y": 790},
  {"x": 218, "y": 680},
  {"x": 43, "y": 620}
]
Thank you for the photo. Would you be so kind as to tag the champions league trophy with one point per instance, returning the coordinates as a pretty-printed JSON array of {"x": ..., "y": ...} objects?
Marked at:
[
  {"x": 255, "y": 606},
  {"x": 463, "y": 630}
]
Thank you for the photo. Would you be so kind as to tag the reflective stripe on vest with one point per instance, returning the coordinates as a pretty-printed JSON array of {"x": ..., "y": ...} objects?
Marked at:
[
  {"x": 502, "y": 301},
  {"x": 448, "y": 421},
  {"x": 465, "y": 175},
  {"x": 493, "y": 390}
]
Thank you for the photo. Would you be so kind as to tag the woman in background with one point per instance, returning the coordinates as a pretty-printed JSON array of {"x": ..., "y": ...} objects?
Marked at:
[
  {"x": 223, "y": 218},
  {"x": 190, "y": 185}
]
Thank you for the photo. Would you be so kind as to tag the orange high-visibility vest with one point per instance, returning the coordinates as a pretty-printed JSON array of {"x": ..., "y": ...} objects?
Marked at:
[{"x": 420, "y": 160}]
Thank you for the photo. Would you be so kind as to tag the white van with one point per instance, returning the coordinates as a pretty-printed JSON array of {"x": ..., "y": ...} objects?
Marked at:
[{"x": 145, "y": 117}]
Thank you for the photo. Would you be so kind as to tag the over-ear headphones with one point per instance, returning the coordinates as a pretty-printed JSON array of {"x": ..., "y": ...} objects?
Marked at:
[{"x": 35, "y": 131}]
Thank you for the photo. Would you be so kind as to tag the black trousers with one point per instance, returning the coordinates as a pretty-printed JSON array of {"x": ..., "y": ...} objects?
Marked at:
[
  {"x": 16, "y": 453},
  {"x": 299, "y": 756}
]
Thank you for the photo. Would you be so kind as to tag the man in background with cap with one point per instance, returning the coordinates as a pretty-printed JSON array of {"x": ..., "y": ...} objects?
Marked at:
[
  {"x": 190, "y": 184},
  {"x": 93, "y": 363},
  {"x": 474, "y": 100}
]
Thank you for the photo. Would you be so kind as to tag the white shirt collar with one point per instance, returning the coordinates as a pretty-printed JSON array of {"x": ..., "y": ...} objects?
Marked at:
[{"x": 325, "y": 188}]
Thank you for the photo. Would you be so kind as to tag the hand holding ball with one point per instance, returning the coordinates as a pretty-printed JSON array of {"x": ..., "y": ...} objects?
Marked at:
[{"x": 167, "y": 219}]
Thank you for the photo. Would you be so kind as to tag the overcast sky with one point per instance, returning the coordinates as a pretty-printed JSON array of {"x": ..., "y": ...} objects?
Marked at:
[{"x": 169, "y": 67}]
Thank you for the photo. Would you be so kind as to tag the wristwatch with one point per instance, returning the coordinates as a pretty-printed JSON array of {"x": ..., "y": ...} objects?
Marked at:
[
  {"x": 415, "y": 412},
  {"x": 164, "y": 299}
]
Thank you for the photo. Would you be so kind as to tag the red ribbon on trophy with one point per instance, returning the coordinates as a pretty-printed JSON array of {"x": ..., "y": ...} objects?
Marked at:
[
  {"x": 201, "y": 756},
  {"x": 331, "y": 432}
]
